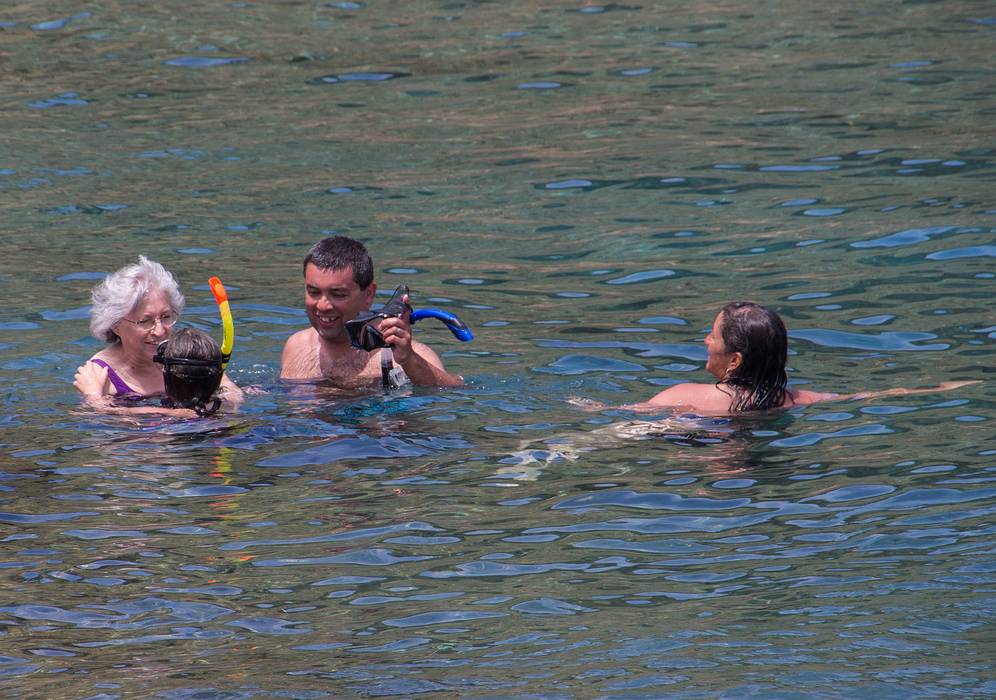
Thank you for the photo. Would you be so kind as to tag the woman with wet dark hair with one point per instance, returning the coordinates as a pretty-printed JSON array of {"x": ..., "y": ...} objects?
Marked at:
[
  {"x": 749, "y": 353},
  {"x": 747, "y": 350}
]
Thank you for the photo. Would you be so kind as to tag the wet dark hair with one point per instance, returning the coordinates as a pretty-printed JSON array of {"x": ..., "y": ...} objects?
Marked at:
[
  {"x": 191, "y": 361},
  {"x": 759, "y": 335},
  {"x": 339, "y": 253}
]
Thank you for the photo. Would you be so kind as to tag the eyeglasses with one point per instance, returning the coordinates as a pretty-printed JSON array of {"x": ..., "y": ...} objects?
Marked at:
[{"x": 147, "y": 324}]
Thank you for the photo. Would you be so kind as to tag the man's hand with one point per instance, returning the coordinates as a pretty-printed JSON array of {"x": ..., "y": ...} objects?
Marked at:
[
  {"x": 397, "y": 332},
  {"x": 421, "y": 364}
]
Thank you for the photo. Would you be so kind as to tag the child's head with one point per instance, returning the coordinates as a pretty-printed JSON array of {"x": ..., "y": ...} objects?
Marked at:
[{"x": 191, "y": 361}]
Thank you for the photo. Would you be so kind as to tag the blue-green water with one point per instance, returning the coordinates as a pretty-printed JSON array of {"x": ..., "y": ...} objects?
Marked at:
[{"x": 585, "y": 185}]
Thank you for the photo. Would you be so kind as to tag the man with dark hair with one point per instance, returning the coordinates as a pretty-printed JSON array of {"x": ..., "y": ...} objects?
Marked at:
[{"x": 338, "y": 285}]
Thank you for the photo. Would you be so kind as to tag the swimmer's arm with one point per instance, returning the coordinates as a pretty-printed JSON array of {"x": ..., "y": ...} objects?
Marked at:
[
  {"x": 902, "y": 391},
  {"x": 421, "y": 364},
  {"x": 424, "y": 368},
  {"x": 803, "y": 397}
]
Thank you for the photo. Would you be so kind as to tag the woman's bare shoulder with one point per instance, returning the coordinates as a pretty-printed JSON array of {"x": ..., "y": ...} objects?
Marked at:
[
  {"x": 680, "y": 394},
  {"x": 106, "y": 354},
  {"x": 702, "y": 398}
]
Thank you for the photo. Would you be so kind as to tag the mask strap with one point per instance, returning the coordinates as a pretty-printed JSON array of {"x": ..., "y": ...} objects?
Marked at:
[{"x": 386, "y": 365}]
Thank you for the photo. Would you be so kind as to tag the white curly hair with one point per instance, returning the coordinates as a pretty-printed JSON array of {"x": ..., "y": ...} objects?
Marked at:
[{"x": 122, "y": 291}]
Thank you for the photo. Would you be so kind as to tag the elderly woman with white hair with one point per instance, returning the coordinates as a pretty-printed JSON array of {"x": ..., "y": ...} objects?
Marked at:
[{"x": 134, "y": 310}]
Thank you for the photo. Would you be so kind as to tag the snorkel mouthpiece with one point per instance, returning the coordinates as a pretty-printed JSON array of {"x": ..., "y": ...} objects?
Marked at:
[
  {"x": 364, "y": 334},
  {"x": 228, "y": 326}
]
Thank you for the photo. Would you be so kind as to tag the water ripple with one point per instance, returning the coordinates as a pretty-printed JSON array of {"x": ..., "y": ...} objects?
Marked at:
[
  {"x": 894, "y": 341},
  {"x": 807, "y": 439},
  {"x": 270, "y": 625},
  {"x": 40, "y": 518},
  {"x": 204, "y": 61},
  {"x": 362, "y": 447},
  {"x": 439, "y": 618},
  {"x": 913, "y": 236},
  {"x": 649, "y": 500},
  {"x": 364, "y": 557},
  {"x": 350, "y": 535}
]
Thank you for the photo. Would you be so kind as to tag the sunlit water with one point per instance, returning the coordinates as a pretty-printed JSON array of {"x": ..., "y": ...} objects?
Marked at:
[{"x": 585, "y": 185}]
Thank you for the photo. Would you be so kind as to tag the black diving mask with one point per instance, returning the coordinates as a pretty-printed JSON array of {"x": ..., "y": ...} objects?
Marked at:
[
  {"x": 363, "y": 331},
  {"x": 167, "y": 362}
]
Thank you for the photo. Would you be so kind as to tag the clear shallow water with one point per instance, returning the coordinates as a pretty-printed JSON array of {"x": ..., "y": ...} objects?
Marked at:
[{"x": 585, "y": 186}]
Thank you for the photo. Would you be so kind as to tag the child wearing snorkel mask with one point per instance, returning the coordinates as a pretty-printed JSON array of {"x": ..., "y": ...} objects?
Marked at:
[{"x": 192, "y": 371}]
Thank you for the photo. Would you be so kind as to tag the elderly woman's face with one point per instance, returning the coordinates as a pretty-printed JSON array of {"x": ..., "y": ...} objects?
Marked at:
[{"x": 150, "y": 323}]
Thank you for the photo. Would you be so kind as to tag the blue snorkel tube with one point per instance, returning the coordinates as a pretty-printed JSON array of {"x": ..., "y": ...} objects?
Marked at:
[
  {"x": 364, "y": 334},
  {"x": 457, "y": 327}
]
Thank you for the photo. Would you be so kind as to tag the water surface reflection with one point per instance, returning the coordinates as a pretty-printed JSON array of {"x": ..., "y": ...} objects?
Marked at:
[{"x": 585, "y": 185}]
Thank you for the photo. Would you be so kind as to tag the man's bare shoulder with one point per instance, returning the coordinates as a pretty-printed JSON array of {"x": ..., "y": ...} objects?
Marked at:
[
  {"x": 303, "y": 338},
  {"x": 299, "y": 359}
]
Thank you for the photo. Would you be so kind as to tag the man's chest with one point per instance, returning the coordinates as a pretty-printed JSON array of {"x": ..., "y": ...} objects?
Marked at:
[{"x": 350, "y": 368}]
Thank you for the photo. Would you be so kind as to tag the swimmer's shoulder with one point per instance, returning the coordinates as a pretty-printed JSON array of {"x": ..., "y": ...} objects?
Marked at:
[
  {"x": 299, "y": 359},
  {"x": 705, "y": 398}
]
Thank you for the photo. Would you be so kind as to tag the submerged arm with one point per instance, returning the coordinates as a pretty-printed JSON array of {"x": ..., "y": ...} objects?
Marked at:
[
  {"x": 902, "y": 391},
  {"x": 424, "y": 368}
]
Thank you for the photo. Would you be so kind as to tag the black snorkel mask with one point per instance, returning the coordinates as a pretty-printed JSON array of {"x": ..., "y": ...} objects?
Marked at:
[
  {"x": 167, "y": 362},
  {"x": 185, "y": 387},
  {"x": 363, "y": 331},
  {"x": 364, "y": 334}
]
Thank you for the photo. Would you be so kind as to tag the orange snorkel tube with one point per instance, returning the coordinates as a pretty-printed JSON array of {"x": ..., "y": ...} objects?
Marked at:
[{"x": 228, "y": 326}]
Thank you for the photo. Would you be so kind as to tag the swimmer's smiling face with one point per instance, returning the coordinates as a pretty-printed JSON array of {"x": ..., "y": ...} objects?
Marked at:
[
  {"x": 134, "y": 340},
  {"x": 332, "y": 297}
]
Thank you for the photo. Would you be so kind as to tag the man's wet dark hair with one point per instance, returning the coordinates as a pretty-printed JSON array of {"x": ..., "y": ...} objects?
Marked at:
[
  {"x": 759, "y": 335},
  {"x": 340, "y": 253},
  {"x": 191, "y": 361}
]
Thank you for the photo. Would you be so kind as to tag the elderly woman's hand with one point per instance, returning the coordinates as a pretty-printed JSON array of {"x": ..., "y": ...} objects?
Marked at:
[{"x": 91, "y": 379}]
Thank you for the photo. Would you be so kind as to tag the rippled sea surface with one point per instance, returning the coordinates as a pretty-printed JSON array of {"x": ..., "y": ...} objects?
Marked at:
[{"x": 585, "y": 185}]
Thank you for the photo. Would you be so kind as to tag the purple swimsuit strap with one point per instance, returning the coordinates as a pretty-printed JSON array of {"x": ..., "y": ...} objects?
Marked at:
[{"x": 120, "y": 385}]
